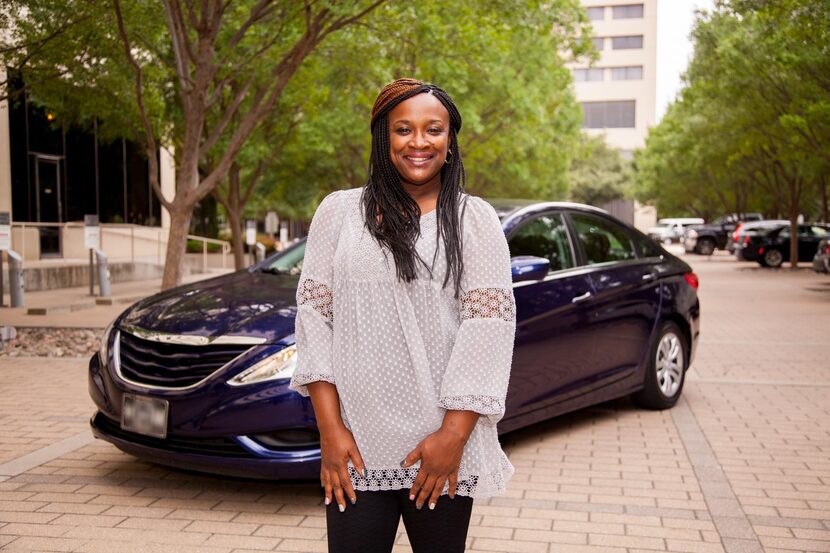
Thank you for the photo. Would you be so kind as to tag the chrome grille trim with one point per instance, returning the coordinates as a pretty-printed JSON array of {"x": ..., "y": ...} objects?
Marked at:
[
  {"x": 116, "y": 356},
  {"x": 190, "y": 339}
]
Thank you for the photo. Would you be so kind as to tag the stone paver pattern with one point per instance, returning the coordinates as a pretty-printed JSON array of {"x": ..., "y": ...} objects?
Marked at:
[{"x": 741, "y": 464}]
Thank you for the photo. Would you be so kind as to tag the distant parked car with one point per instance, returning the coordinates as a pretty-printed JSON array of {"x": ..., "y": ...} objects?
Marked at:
[
  {"x": 705, "y": 239},
  {"x": 671, "y": 229},
  {"x": 197, "y": 376},
  {"x": 740, "y": 238},
  {"x": 821, "y": 261},
  {"x": 773, "y": 247}
]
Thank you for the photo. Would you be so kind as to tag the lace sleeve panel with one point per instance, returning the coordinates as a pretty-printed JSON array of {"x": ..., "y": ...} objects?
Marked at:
[
  {"x": 318, "y": 296},
  {"x": 478, "y": 371},
  {"x": 483, "y": 303},
  {"x": 314, "y": 322}
]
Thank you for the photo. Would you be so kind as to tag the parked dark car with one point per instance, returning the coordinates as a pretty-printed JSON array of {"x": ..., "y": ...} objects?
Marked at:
[
  {"x": 705, "y": 239},
  {"x": 196, "y": 376},
  {"x": 741, "y": 237},
  {"x": 821, "y": 261},
  {"x": 773, "y": 248}
]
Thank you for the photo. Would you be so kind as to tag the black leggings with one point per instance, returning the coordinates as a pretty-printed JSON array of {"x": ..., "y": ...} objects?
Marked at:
[{"x": 370, "y": 525}]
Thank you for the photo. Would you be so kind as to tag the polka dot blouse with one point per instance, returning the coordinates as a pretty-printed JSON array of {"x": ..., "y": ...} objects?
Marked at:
[{"x": 401, "y": 354}]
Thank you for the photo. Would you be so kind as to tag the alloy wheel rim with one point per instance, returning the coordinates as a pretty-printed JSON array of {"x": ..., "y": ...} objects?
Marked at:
[
  {"x": 669, "y": 364},
  {"x": 773, "y": 258}
]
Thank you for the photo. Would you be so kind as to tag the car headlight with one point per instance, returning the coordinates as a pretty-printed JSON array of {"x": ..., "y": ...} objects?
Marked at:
[
  {"x": 103, "y": 351},
  {"x": 691, "y": 234},
  {"x": 277, "y": 366}
]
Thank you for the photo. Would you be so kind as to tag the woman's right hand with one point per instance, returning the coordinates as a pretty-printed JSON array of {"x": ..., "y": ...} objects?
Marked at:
[{"x": 337, "y": 446}]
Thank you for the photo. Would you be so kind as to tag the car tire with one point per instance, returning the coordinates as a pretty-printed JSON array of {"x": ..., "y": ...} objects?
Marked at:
[
  {"x": 665, "y": 369},
  {"x": 773, "y": 258},
  {"x": 705, "y": 247}
]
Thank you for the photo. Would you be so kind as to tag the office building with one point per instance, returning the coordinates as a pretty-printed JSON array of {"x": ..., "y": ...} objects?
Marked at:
[{"x": 618, "y": 92}]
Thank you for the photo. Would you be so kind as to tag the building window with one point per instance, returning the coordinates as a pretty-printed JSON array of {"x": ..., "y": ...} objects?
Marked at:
[
  {"x": 599, "y": 43},
  {"x": 627, "y": 42},
  {"x": 629, "y": 73},
  {"x": 596, "y": 14},
  {"x": 608, "y": 115},
  {"x": 589, "y": 74},
  {"x": 632, "y": 11}
]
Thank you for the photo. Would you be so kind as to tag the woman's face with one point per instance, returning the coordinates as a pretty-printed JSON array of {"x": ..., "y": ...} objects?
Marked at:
[{"x": 419, "y": 137}]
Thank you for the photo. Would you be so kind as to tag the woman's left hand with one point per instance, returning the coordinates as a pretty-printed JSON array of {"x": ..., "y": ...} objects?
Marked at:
[{"x": 440, "y": 454}]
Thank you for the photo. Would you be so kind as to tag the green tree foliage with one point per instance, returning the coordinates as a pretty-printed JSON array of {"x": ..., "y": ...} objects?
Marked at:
[
  {"x": 503, "y": 66},
  {"x": 751, "y": 129},
  {"x": 598, "y": 173}
]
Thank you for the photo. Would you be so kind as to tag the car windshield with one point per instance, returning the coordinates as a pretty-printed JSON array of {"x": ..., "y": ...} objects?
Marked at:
[{"x": 289, "y": 263}]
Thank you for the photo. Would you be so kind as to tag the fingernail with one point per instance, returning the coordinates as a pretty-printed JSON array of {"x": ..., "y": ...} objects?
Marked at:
[
  {"x": 328, "y": 501},
  {"x": 411, "y": 497},
  {"x": 419, "y": 505},
  {"x": 353, "y": 499},
  {"x": 342, "y": 507},
  {"x": 364, "y": 473},
  {"x": 431, "y": 506},
  {"x": 452, "y": 496},
  {"x": 403, "y": 463}
]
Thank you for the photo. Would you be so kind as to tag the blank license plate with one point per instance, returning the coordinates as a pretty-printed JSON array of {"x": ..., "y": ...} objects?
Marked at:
[{"x": 145, "y": 415}]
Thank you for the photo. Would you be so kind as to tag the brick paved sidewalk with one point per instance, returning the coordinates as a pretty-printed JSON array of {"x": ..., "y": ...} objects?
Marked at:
[{"x": 742, "y": 464}]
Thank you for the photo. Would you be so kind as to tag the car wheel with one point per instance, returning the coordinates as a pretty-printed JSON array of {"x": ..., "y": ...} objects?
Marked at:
[
  {"x": 773, "y": 258},
  {"x": 705, "y": 247},
  {"x": 665, "y": 369}
]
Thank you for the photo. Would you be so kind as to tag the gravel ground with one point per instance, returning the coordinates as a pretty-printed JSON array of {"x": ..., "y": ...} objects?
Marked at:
[{"x": 52, "y": 342}]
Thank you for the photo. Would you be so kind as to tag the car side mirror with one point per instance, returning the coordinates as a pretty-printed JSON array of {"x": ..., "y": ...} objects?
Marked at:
[{"x": 529, "y": 267}]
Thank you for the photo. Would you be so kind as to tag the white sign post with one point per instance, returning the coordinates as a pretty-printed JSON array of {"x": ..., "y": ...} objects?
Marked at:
[
  {"x": 250, "y": 237},
  {"x": 92, "y": 240},
  {"x": 5, "y": 244},
  {"x": 271, "y": 223}
]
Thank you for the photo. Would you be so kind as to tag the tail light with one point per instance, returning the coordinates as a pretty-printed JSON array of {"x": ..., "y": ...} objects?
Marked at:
[
  {"x": 746, "y": 241},
  {"x": 761, "y": 250},
  {"x": 692, "y": 279},
  {"x": 735, "y": 232},
  {"x": 827, "y": 250}
]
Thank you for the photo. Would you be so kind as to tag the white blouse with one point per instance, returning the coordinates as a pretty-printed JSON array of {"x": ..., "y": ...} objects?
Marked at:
[{"x": 401, "y": 354}]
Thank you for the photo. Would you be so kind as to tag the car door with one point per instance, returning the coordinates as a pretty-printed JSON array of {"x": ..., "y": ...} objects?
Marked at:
[
  {"x": 626, "y": 298},
  {"x": 552, "y": 335}
]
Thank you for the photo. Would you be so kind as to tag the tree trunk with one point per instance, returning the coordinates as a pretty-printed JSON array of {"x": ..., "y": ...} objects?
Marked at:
[
  {"x": 824, "y": 218},
  {"x": 176, "y": 246},
  {"x": 794, "y": 236}
]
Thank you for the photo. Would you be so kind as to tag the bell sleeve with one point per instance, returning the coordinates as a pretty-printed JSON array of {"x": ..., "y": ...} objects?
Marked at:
[
  {"x": 478, "y": 370},
  {"x": 314, "y": 322}
]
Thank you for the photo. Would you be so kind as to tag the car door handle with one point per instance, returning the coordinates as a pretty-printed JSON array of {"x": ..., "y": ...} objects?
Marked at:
[
  {"x": 583, "y": 297},
  {"x": 649, "y": 276}
]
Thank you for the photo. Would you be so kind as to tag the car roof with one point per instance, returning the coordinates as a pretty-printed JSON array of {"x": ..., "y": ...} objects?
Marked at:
[{"x": 509, "y": 207}]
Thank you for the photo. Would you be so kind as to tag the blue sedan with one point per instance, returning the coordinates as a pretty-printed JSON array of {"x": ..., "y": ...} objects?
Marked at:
[{"x": 197, "y": 376}]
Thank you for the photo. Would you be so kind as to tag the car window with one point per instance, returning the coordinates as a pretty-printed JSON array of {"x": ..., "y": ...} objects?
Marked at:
[
  {"x": 602, "y": 239},
  {"x": 290, "y": 262},
  {"x": 647, "y": 247},
  {"x": 544, "y": 236},
  {"x": 819, "y": 231}
]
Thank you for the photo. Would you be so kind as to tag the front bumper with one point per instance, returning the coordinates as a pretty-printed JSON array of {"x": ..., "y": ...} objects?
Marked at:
[{"x": 216, "y": 428}]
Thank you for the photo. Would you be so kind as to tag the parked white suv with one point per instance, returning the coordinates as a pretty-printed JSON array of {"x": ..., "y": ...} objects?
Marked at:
[{"x": 671, "y": 229}]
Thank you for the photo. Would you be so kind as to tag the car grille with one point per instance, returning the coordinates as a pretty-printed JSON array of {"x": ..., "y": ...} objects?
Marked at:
[
  {"x": 218, "y": 446},
  {"x": 167, "y": 365}
]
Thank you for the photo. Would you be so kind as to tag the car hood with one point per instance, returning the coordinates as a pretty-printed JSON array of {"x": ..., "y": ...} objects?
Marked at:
[{"x": 242, "y": 303}]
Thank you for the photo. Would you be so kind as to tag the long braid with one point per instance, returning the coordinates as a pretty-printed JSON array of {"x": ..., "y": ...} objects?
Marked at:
[{"x": 384, "y": 192}]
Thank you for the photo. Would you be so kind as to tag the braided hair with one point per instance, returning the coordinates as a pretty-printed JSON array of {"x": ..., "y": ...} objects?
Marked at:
[{"x": 384, "y": 192}]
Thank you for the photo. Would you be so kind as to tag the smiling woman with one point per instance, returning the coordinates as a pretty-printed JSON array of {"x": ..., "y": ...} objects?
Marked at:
[{"x": 407, "y": 375}]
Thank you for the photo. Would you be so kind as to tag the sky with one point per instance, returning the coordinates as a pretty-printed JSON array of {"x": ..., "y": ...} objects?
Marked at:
[{"x": 674, "y": 48}]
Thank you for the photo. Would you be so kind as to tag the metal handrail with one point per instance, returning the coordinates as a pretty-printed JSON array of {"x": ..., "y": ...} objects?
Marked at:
[{"x": 159, "y": 238}]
